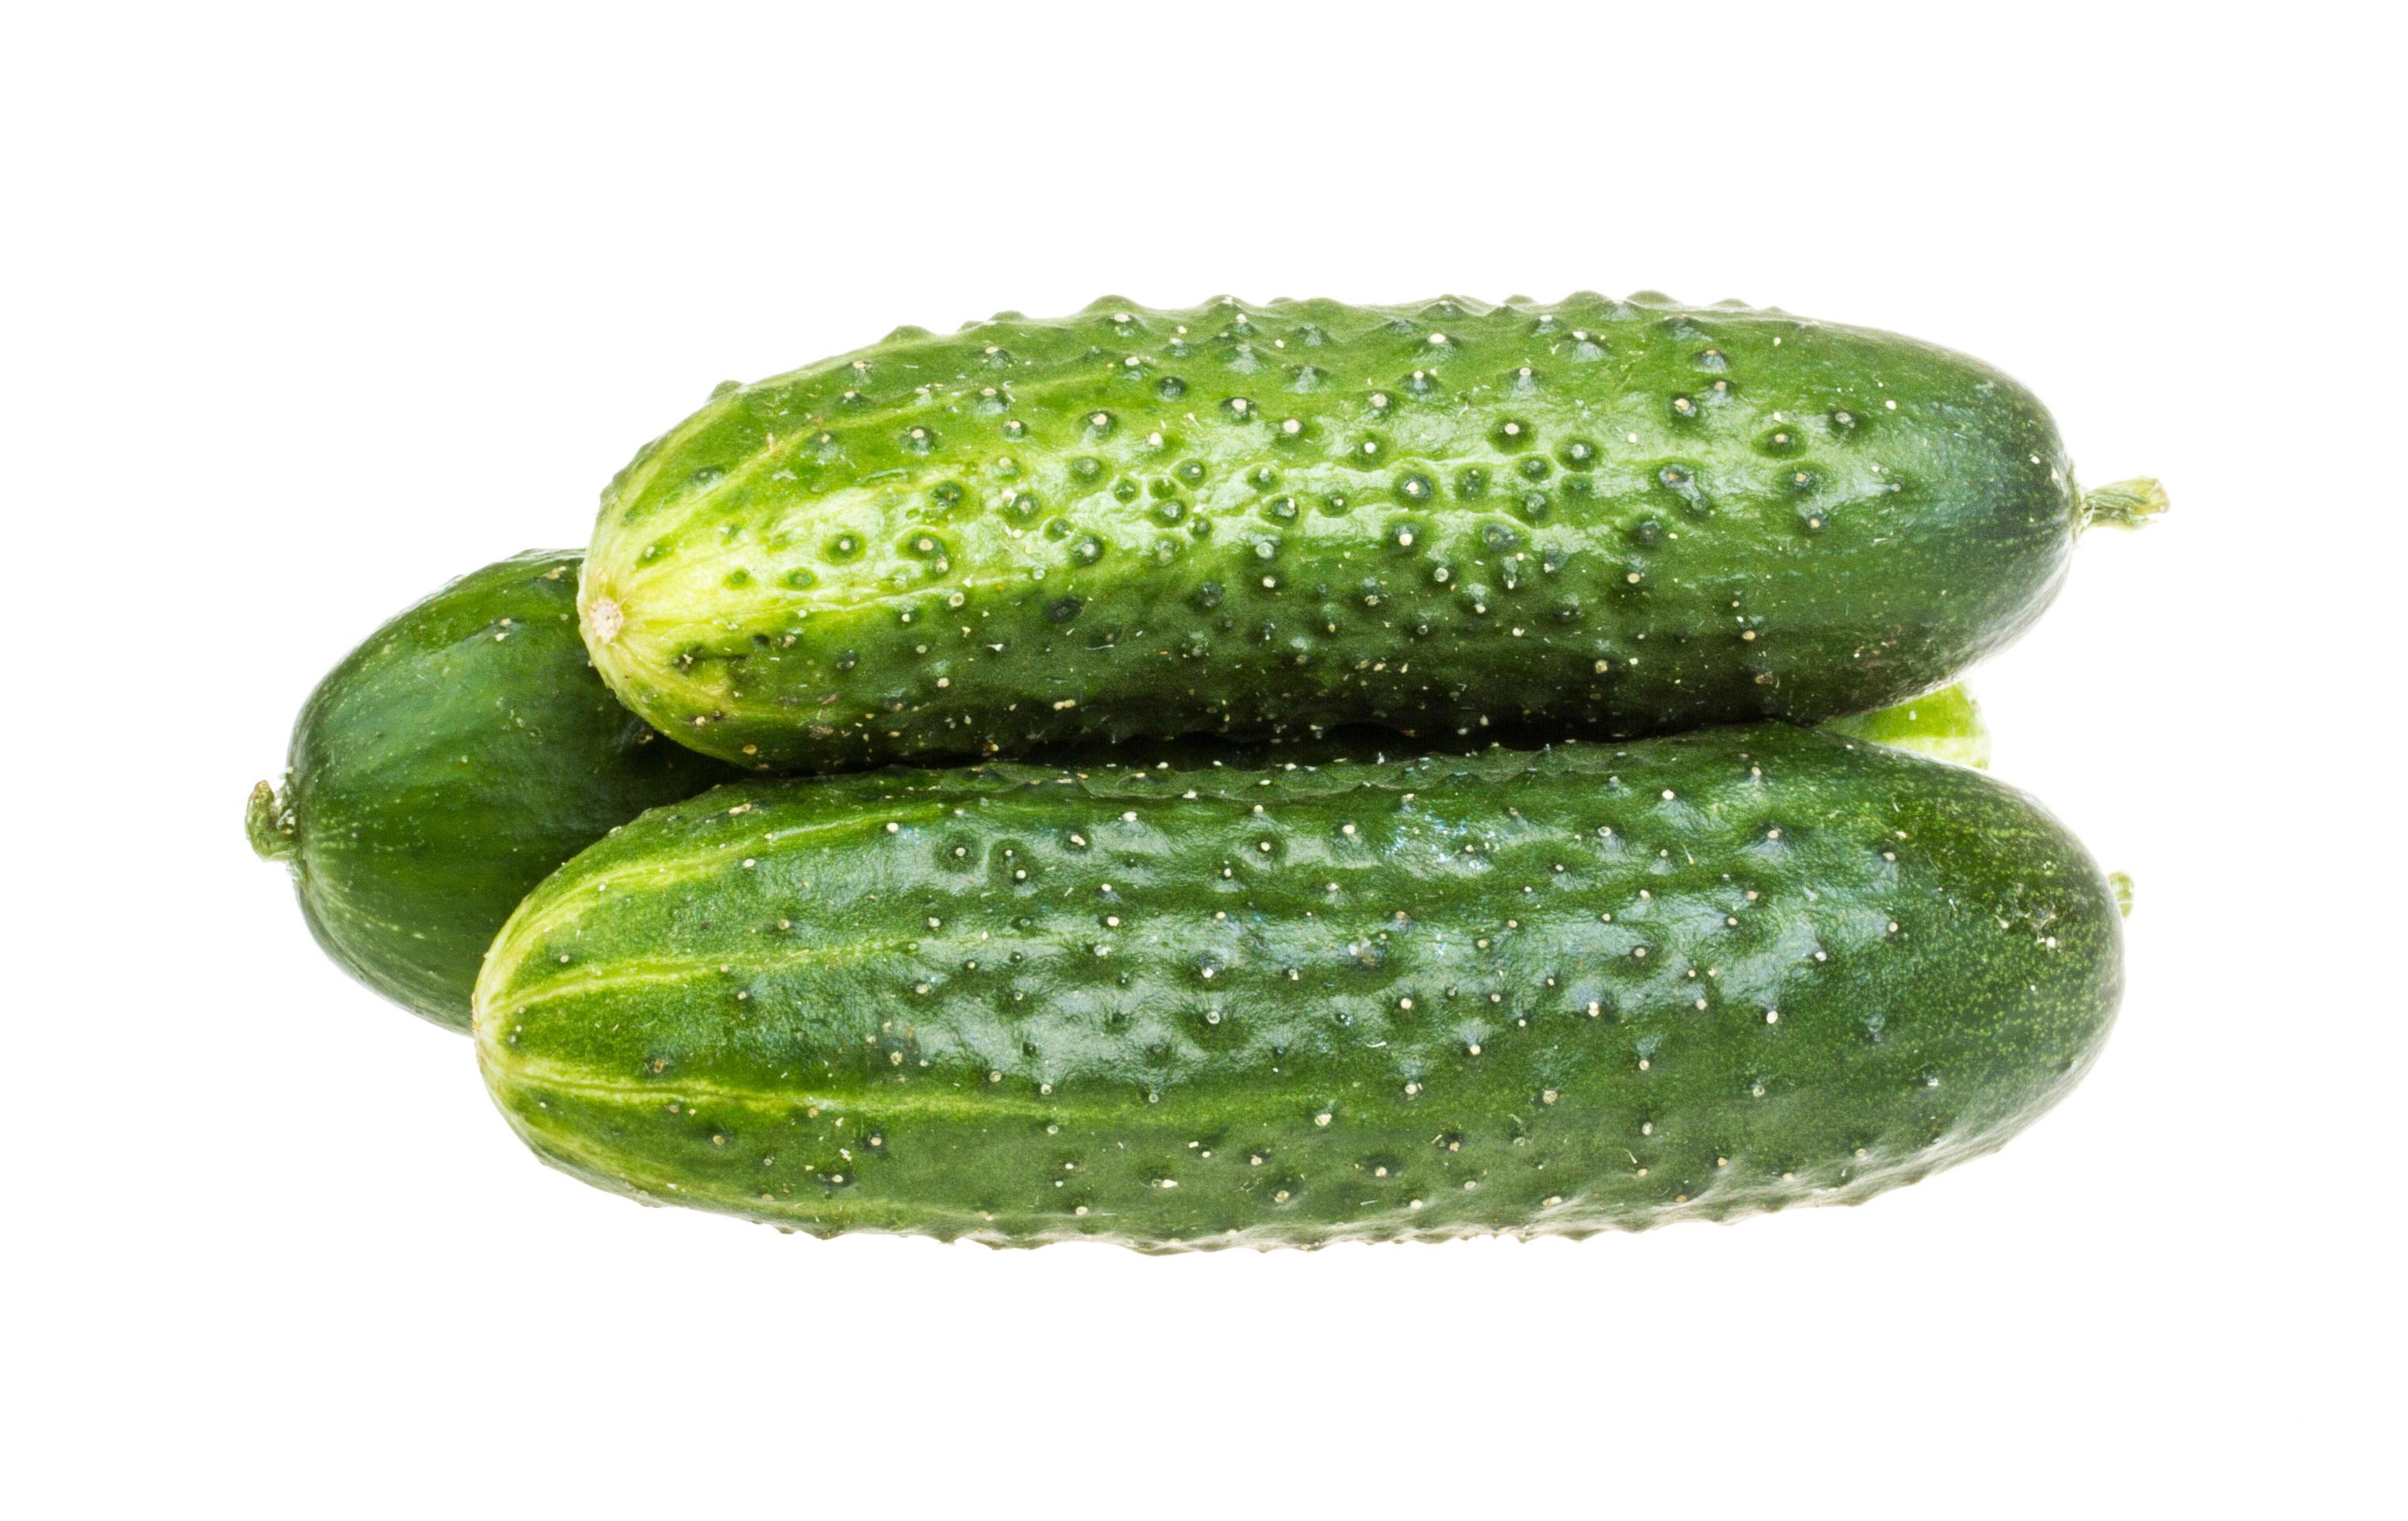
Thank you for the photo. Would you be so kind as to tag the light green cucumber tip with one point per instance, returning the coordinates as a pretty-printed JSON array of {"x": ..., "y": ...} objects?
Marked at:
[
  {"x": 1942, "y": 726},
  {"x": 269, "y": 823},
  {"x": 2125, "y": 504}
]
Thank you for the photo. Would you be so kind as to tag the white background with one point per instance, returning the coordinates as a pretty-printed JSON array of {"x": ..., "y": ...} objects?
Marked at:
[{"x": 310, "y": 311}]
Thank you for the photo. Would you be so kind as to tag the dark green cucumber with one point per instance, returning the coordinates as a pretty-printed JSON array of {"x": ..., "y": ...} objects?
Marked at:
[
  {"x": 1595, "y": 987},
  {"x": 446, "y": 765},
  {"x": 467, "y": 749},
  {"x": 1602, "y": 517}
]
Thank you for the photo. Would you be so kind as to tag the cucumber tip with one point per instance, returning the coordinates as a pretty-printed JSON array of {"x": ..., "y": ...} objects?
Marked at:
[
  {"x": 268, "y": 822},
  {"x": 604, "y": 618},
  {"x": 2126, "y": 503}
]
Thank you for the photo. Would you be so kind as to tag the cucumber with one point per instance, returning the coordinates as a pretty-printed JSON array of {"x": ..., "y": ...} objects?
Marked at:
[
  {"x": 446, "y": 765},
  {"x": 467, "y": 749},
  {"x": 1945, "y": 726},
  {"x": 1547, "y": 993},
  {"x": 1598, "y": 517}
]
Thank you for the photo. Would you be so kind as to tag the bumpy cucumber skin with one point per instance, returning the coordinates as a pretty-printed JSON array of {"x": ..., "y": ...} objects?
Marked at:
[
  {"x": 1288, "y": 1007},
  {"x": 1598, "y": 517},
  {"x": 447, "y": 765}
]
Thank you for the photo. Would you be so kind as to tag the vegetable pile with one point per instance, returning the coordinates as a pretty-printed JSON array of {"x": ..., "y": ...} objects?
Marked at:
[{"x": 1248, "y": 775}]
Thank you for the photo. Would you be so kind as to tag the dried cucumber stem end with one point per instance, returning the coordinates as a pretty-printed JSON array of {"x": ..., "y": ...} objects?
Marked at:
[
  {"x": 269, "y": 823},
  {"x": 604, "y": 619},
  {"x": 2126, "y": 503},
  {"x": 2122, "y": 887}
]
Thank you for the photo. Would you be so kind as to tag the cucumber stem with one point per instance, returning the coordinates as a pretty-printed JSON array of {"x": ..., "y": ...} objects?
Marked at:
[
  {"x": 269, "y": 823},
  {"x": 2121, "y": 886},
  {"x": 2125, "y": 504}
]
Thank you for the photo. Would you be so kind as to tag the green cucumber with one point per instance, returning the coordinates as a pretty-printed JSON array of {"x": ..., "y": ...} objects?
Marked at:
[
  {"x": 1945, "y": 726},
  {"x": 467, "y": 749},
  {"x": 447, "y": 765},
  {"x": 1592, "y": 987},
  {"x": 1598, "y": 517}
]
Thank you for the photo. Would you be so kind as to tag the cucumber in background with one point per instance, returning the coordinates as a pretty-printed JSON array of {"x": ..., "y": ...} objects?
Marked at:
[
  {"x": 467, "y": 748},
  {"x": 1598, "y": 517},
  {"x": 1946, "y": 725},
  {"x": 446, "y": 765},
  {"x": 1544, "y": 993}
]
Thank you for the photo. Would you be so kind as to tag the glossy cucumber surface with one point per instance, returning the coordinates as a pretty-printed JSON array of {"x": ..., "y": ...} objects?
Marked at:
[
  {"x": 1600, "y": 986},
  {"x": 447, "y": 765},
  {"x": 1595, "y": 517}
]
